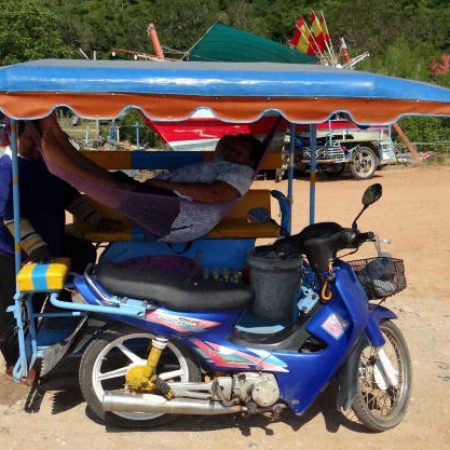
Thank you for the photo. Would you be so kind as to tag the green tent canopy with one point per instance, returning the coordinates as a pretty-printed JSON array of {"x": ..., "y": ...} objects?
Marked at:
[{"x": 224, "y": 43}]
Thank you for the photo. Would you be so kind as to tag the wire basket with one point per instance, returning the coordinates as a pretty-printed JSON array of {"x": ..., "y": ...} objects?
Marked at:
[{"x": 381, "y": 277}]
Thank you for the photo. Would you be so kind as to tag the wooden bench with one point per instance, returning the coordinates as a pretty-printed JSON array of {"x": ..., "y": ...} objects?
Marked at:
[
  {"x": 141, "y": 159},
  {"x": 233, "y": 225}
]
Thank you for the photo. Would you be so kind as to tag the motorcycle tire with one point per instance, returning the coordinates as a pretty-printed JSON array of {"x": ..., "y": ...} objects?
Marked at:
[
  {"x": 364, "y": 164},
  {"x": 381, "y": 408},
  {"x": 104, "y": 365}
]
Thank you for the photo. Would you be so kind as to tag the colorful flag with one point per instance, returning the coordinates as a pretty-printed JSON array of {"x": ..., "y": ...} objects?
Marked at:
[
  {"x": 323, "y": 26},
  {"x": 302, "y": 38},
  {"x": 318, "y": 32},
  {"x": 295, "y": 37}
]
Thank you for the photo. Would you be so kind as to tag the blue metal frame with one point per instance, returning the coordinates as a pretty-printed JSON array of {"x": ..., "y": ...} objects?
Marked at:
[
  {"x": 313, "y": 173},
  {"x": 291, "y": 167}
]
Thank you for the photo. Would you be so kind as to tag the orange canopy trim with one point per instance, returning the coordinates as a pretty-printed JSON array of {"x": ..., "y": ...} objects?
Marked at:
[{"x": 228, "y": 109}]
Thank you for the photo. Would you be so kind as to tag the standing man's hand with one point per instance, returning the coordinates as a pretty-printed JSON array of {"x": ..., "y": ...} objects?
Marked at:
[{"x": 40, "y": 255}]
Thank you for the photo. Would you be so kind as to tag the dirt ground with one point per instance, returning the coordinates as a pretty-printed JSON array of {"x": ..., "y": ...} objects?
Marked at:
[{"x": 415, "y": 214}]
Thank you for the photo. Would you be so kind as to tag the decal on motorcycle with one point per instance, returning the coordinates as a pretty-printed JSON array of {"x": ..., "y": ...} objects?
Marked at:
[
  {"x": 335, "y": 325},
  {"x": 179, "y": 323},
  {"x": 227, "y": 357}
]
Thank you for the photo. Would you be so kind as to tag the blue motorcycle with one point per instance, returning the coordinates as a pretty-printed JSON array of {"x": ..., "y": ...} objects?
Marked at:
[{"x": 175, "y": 344}]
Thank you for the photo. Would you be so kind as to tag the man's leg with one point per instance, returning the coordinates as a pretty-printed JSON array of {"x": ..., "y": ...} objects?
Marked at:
[
  {"x": 8, "y": 337},
  {"x": 57, "y": 149}
]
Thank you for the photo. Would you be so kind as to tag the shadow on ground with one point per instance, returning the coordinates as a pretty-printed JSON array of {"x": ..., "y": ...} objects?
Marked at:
[{"x": 65, "y": 393}]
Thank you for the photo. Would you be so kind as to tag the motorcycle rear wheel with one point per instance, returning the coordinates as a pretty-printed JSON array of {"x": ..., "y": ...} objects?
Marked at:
[
  {"x": 377, "y": 408},
  {"x": 106, "y": 361}
]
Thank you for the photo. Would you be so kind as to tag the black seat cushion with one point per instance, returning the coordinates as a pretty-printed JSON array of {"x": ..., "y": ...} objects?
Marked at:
[{"x": 173, "y": 290}]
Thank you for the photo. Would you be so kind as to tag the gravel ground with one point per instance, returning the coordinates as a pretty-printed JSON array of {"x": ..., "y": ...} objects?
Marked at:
[{"x": 414, "y": 213}]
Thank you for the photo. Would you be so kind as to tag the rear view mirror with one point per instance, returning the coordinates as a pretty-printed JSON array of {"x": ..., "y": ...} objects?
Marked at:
[{"x": 372, "y": 194}]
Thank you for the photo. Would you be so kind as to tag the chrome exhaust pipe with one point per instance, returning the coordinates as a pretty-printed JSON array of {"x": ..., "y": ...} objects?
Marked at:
[{"x": 149, "y": 403}]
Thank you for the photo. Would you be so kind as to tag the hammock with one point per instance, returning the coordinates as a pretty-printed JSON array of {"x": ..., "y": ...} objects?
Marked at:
[{"x": 156, "y": 213}]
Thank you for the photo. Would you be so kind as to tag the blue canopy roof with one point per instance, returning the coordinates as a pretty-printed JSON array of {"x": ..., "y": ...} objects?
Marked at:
[
  {"x": 200, "y": 78},
  {"x": 214, "y": 80}
]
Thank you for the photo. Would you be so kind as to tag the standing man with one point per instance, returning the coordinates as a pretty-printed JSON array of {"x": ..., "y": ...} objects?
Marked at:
[{"x": 44, "y": 199}]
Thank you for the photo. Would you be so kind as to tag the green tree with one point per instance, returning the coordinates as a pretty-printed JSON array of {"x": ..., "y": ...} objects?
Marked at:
[
  {"x": 402, "y": 36},
  {"x": 29, "y": 31},
  {"x": 128, "y": 122}
]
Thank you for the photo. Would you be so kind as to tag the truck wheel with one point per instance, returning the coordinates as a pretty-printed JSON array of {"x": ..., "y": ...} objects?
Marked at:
[{"x": 364, "y": 163}]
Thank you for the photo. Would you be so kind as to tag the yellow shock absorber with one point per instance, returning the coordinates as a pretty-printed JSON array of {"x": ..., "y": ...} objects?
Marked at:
[
  {"x": 140, "y": 378},
  {"x": 158, "y": 345}
]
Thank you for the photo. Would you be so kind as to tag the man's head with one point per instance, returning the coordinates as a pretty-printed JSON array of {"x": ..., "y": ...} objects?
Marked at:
[
  {"x": 26, "y": 146},
  {"x": 242, "y": 149}
]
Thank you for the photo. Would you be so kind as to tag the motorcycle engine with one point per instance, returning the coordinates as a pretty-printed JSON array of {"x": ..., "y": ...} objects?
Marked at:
[{"x": 262, "y": 388}]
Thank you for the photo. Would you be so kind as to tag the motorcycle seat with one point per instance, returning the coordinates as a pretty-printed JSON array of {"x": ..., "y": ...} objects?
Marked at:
[{"x": 173, "y": 290}]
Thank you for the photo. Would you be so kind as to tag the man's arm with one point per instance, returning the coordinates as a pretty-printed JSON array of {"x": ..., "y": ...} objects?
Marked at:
[
  {"x": 217, "y": 192},
  {"x": 30, "y": 241}
]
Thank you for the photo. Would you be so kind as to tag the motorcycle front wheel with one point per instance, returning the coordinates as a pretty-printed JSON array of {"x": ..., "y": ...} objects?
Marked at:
[
  {"x": 106, "y": 361},
  {"x": 378, "y": 405}
]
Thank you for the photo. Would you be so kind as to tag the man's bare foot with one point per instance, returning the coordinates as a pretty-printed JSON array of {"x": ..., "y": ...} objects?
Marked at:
[{"x": 49, "y": 122}]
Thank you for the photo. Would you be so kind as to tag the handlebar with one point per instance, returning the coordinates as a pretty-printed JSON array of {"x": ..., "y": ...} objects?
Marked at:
[
  {"x": 344, "y": 238},
  {"x": 319, "y": 242},
  {"x": 363, "y": 237}
]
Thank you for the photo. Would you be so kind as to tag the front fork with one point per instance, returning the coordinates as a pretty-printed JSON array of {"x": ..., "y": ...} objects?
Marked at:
[{"x": 384, "y": 372}]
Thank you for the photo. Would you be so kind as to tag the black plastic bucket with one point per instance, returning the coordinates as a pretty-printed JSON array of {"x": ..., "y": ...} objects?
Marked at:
[{"x": 274, "y": 282}]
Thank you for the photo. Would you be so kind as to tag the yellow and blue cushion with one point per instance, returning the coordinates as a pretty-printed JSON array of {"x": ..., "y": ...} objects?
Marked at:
[{"x": 34, "y": 277}]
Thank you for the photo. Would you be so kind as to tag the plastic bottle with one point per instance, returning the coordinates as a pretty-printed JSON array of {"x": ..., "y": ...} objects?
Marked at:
[{"x": 216, "y": 274}]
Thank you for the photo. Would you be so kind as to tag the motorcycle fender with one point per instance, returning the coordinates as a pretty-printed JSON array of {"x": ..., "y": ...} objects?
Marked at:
[
  {"x": 95, "y": 325},
  {"x": 346, "y": 378},
  {"x": 380, "y": 313}
]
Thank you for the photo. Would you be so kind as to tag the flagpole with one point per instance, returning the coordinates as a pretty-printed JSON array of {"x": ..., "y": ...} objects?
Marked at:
[
  {"x": 317, "y": 51},
  {"x": 318, "y": 32},
  {"x": 329, "y": 45}
]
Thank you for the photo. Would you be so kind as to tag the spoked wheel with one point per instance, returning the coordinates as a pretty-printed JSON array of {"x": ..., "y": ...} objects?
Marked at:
[
  {"x": 364, "y": 163},
  {"x": 377, "y": 404},
  {"x": 107, "y": 360}
]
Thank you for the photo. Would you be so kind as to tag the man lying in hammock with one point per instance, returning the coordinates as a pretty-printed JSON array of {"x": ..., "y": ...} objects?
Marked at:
[{"x": 176, "y": 207}]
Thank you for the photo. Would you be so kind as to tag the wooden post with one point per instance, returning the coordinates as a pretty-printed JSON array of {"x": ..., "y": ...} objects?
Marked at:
[{"x": 407, "y": 142}]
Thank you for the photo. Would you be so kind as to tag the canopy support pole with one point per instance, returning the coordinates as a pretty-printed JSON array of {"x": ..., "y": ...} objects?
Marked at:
[
  {"x": 16, "y": 197},
  {"x": 313, "y": 172},
  {"x": 291, "y": 175},
  {"x": 21, "y": 367}
]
